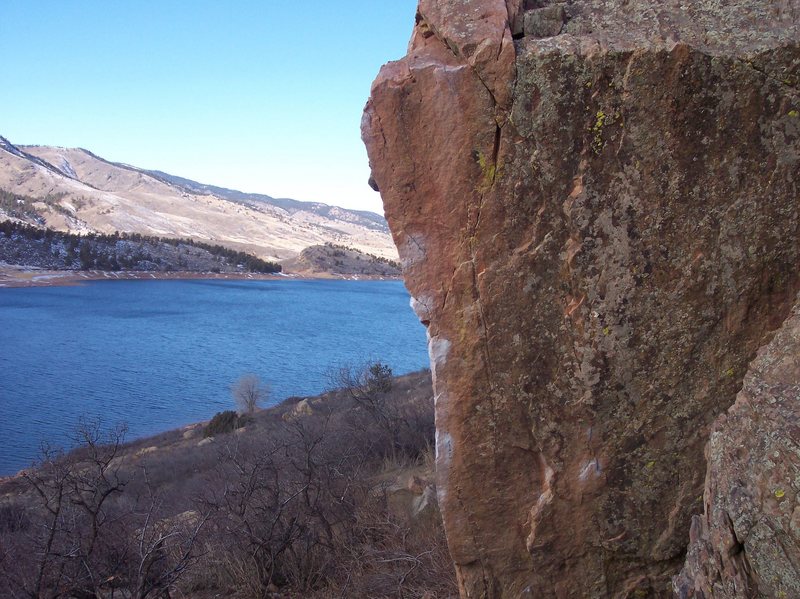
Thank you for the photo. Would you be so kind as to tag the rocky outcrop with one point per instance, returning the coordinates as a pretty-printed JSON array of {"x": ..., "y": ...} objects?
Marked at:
[
  {"x": 596, "y": 206},
  {"x": 747, "y": 543}
]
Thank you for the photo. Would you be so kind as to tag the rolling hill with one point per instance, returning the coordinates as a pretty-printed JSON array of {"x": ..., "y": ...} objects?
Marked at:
[
  {"x": 81, "y": 192},
  {"x": 340, "y": 262}
]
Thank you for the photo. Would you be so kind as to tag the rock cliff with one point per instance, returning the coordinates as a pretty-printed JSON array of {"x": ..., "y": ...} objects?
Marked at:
[
  {"x": 747, "y": 542},
  {"x": 596, "y": 207}
]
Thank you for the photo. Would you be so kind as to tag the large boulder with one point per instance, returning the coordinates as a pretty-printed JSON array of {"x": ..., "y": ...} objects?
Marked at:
[
  {"x": 599, "y": 225},
  {"x": 747, "y": 543}
]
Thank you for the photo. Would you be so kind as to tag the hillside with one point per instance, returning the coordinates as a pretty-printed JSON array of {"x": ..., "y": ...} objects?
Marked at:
[
  {"x": 29, "y": 246},
  {"x": 327, "y": 496},
  {"x": 361, "y": 217},
  {"x": 340, "y": 261},
  {"x": 81, "y": 192}
]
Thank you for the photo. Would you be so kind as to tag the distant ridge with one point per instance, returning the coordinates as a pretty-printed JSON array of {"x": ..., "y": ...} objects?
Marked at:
[
  {"x": 369, "y": 218},
  {"x": 82, "y": 192},
  {"x": 16, "y": 151}
]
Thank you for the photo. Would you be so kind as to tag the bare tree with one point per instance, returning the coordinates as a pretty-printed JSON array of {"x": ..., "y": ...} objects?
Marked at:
[
  {"x": 370, "y": 386},
  {"x": 248, "y": 392},
  {"x": 81, "y": 541},
  {"x": 162, "y": 549},
  {"x": 74, "y": 493}
]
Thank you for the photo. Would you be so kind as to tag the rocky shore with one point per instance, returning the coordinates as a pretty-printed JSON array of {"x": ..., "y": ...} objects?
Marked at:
[{"x": 21, "y": 276}]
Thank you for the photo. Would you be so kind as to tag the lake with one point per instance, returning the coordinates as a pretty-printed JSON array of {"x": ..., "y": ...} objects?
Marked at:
[{"x": 161, "y": 354}]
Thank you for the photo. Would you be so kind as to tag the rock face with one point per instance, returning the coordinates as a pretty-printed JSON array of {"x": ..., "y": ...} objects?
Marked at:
[
  {"x": 598, "y": 221},
  {"x": 747, "y": 543}
]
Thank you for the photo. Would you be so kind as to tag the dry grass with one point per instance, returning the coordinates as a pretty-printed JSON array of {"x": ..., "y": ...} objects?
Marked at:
[{"x": 314, "y": 502}]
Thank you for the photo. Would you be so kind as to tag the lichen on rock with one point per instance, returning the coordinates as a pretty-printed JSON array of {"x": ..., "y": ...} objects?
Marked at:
[
  {"x": 603, "y": 291},
  {"x": 747, "y": 542}
]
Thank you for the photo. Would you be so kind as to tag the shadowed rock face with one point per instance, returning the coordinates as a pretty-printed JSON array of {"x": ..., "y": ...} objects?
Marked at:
[
  {"x": 748, "y": 541},
  {"x": 599, "y": 228}
]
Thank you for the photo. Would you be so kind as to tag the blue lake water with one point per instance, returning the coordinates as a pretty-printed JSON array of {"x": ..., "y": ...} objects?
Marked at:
[{"x": 160, "y": 354}]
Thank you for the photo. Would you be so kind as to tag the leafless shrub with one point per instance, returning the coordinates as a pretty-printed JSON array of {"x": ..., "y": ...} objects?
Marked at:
[
  {"x": 298, "y": 503},
  {"x": 404, "y": 428},
  {"x": 79, "y": 543},
  {"x": 248, "y": 392},
  {"x": 388, "y": 557}
]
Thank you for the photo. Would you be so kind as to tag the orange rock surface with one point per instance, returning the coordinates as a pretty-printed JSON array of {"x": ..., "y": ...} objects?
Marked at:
[{"x": 596, "y": 207}]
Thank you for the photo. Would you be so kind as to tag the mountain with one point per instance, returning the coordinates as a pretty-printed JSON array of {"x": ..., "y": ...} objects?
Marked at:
[
  {"x": 81, "y": 192},
  {"x": 368, "y": 219}
]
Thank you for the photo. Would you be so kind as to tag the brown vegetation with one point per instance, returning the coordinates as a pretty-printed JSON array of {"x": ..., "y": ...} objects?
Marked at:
[
  {"x": 336, "y": 260},
  {"x": 248, "y": 393},
  {"x": 318, "y": 497}
]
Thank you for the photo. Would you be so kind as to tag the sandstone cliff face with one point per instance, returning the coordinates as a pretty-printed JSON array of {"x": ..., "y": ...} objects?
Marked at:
[
  {"x": 596, "y": 206},
  {"x": 748, "y": 541}
]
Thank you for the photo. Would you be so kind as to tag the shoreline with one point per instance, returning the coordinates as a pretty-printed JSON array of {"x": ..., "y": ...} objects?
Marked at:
[
  {"x": 13, "y": 276},
  {"x": 138, "y": 445}
]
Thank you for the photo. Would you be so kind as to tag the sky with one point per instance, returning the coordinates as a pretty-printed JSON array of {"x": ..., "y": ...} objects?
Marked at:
[{"x": 261, "y": 96}]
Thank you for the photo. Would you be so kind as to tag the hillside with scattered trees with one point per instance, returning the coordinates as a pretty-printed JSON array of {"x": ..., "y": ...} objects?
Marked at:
[
  {"x": 339, "y": 260},
  {"x": 27, "y": 245}
]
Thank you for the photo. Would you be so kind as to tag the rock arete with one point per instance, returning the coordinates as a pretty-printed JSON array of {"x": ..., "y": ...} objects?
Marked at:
[{"x": 596, "y": 207}]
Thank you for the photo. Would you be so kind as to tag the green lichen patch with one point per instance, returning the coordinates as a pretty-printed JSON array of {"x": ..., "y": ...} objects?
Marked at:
[
  {"x": 489, "y": 172},
  {"x": 602, "y": 120},
  {"x": 597, "y": 130}
]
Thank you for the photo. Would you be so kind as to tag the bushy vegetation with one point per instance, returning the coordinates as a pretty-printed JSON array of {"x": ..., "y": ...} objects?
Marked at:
[
  {"x": 224, "y": 422},
  {"x": 25, "y": 208},
  {"x": 300, "y": 503},
  {"x": 120, "y": 251},
  {"x": 90, "y": 531}
]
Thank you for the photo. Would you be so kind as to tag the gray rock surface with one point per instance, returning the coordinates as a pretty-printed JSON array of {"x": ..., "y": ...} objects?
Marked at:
[{"x": 747, "y": 543}]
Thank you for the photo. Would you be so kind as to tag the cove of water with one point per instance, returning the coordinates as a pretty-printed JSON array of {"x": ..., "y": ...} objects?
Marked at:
[{"x": 157, "y": 355}]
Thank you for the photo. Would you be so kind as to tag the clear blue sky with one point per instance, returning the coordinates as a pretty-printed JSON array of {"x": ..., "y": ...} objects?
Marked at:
[{"x": 258, "y": 95}]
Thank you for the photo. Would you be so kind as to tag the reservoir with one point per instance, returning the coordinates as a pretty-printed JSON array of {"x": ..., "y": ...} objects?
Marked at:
[{"x": 157, "y": 355}]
